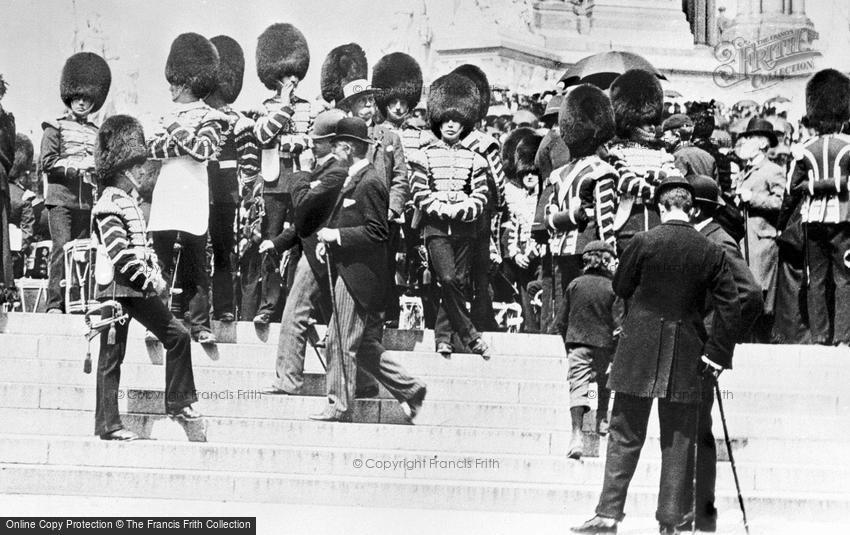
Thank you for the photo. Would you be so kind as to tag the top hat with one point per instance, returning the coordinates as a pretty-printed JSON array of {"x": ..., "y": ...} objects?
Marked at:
[
  {"x": 353, "y": 128},
  {"x": 760, "y": 127}
]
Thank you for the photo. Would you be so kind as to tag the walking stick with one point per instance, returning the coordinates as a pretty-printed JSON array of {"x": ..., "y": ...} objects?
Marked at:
[
  {"x": 746, "y": 233},
  {"x": 178, "y": 250},
  {"x": 335, "y": 317},
  {"x": 696, "y": 457},
  {"x": 731, "y": 458}
]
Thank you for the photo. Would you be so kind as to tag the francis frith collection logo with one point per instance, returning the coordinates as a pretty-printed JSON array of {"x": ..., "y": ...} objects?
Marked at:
[{"x": 767, "y": 61}]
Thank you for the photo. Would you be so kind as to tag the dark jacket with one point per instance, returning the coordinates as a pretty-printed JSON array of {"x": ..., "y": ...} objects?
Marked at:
[
  {"x": 313, "y": 197},
  {"x": 749, "y": 293},
  {"x": 692, "y": 160},
  {"x": 21, "y": 214},
  {"x": 588, "y": 314},
  {"x": 360, "y": 214},
  {"x": 387, "y": 155},
  {"x": 666, "y": 275},
  {"x": 552, "y": 153},
  {"x": 66, "y": 184}
]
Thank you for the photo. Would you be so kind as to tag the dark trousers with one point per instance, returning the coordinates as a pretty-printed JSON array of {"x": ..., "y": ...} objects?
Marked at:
[
  {"x": 262, "y": 281},
  {"x": 626, "y": 435},
  {"x": 65, "y": 224},
  {"x": 152, "y": 313},
  {"x": 829, "y": 287},
  {"x": 558, "y": 273},
  {"x": 481, "y": 309},
  {"x": 521, "y": 278},
  {"x": 449, "y": 257},
  {"x": 790, "y": 325},
  {"x": 394, "y": 245},
  {"x": 706, "y": 463},
  {"x": 192, "y": 274},
  {"x": 223, "y": 239}
]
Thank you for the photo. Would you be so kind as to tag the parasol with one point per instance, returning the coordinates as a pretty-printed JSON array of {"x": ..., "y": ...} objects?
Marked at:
[{"x": 601, "y": 69}]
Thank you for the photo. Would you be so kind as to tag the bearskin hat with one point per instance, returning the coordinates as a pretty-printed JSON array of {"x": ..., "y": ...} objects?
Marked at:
[
  {"x": 342, "y": 65},
  {"x": 193, "y": 62},
  {"x": 231, "y": 67},
  {"x": 23, "y": 156},
  {"x": 586, "y": 120},
  {"x": 828, "y": 100},
  {"x": 637, "y": 99},
  {"x": 525, "y": 155},
  {"x": 477, "y": 76},
  {"x": 85, "y": 75},
  {"x": 397, "y": 76},
  {"x": 281, "y": 51},
  {"x": 120, "y": 145},
  {"x": 453, "y": 97},
  {"x": 509, "y": 163}
]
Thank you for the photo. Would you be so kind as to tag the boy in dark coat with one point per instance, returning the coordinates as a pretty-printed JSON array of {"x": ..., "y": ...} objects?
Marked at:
[{"x": 587, "y": 325}]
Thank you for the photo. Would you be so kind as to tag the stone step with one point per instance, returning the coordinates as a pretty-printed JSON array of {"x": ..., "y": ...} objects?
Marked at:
[
  {"x": 248, "y": 333},
  {"x": 440, "y": 388},
  {"x": 54, "y": 347},
  {"x": 136, "y": 375},
  {"x": 251, "y": 404},
  {"x": 389, "y": 492},
  {"x": 392, "y": 464},
  {"x": 447, "y": 439}
]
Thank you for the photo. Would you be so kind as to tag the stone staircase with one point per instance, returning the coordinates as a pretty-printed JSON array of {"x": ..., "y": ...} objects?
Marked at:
[{"x": 492, "y": 436}]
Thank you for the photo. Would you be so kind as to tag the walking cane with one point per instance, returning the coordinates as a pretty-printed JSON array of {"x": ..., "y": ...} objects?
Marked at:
[
  {"x": 178, "y": 250},
  {"x": 335, "y": 317},
  {"x": 746, "y": 212},
  {"x": 731, "y": 458},
  {"x": 696, "y": 457}
]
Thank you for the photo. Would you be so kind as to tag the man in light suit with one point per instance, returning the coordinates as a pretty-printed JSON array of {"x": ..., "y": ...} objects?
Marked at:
[
  {"x": 761, "y": 190},
  {"x": 665, "y": 275},
  {"x": 355, "y": 241}
]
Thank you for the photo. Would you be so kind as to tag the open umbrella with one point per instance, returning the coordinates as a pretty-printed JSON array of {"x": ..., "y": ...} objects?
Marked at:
[
  {"x": 601, "y": 69},
  {"x": 747, "y": 103},
  {"x": 671, "y": 94},
  {"x": 778, "y": 99}
]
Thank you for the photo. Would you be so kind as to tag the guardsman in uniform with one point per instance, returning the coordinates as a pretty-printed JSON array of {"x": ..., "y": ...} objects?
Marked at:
[
  {"x": 449, "y": 187},
  {"x": 281, "y": 130},
  {"x": 21, "y": 214},
  {"x": 239, "y": 159},
  {"x": 136, "y": 280},
  {"x": 582, "y": 204},
  {"x": 636, "y": 153},
  {"x": 188, "y": 139},
  {"x": 820, "y": 177},
  {"x": 398, "y": 79},
  {"x": 67, "y": 158},
  {"x": 486, "y": 251}
]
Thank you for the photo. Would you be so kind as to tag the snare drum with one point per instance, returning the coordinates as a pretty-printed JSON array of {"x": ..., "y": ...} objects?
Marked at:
[
  {"x": 80, "y": 285},
  {"x": 38, "y": 261}
]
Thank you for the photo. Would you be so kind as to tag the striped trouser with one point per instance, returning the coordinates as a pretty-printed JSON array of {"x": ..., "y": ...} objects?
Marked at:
[{"x": 359, "y": 343}]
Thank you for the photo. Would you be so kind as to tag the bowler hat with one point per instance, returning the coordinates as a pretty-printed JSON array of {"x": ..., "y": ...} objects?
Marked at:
[
  {"x": 676, "y": 121},
  {"x": 353, "y": 128},
  {"x": 675, "y": 181},
  {"x": 598, "y": 246},
  {"x": 324, "y": 126},
  {"x": 706, "y": 190},
  {"x": 760, "y": 127}
]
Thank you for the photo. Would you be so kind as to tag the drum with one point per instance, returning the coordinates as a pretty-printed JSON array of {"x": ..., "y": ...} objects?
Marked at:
[
  {"x": 38, "y": 261},
  {"x": 80, "y": 286},
  {"x": 411, "y": 316}
]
